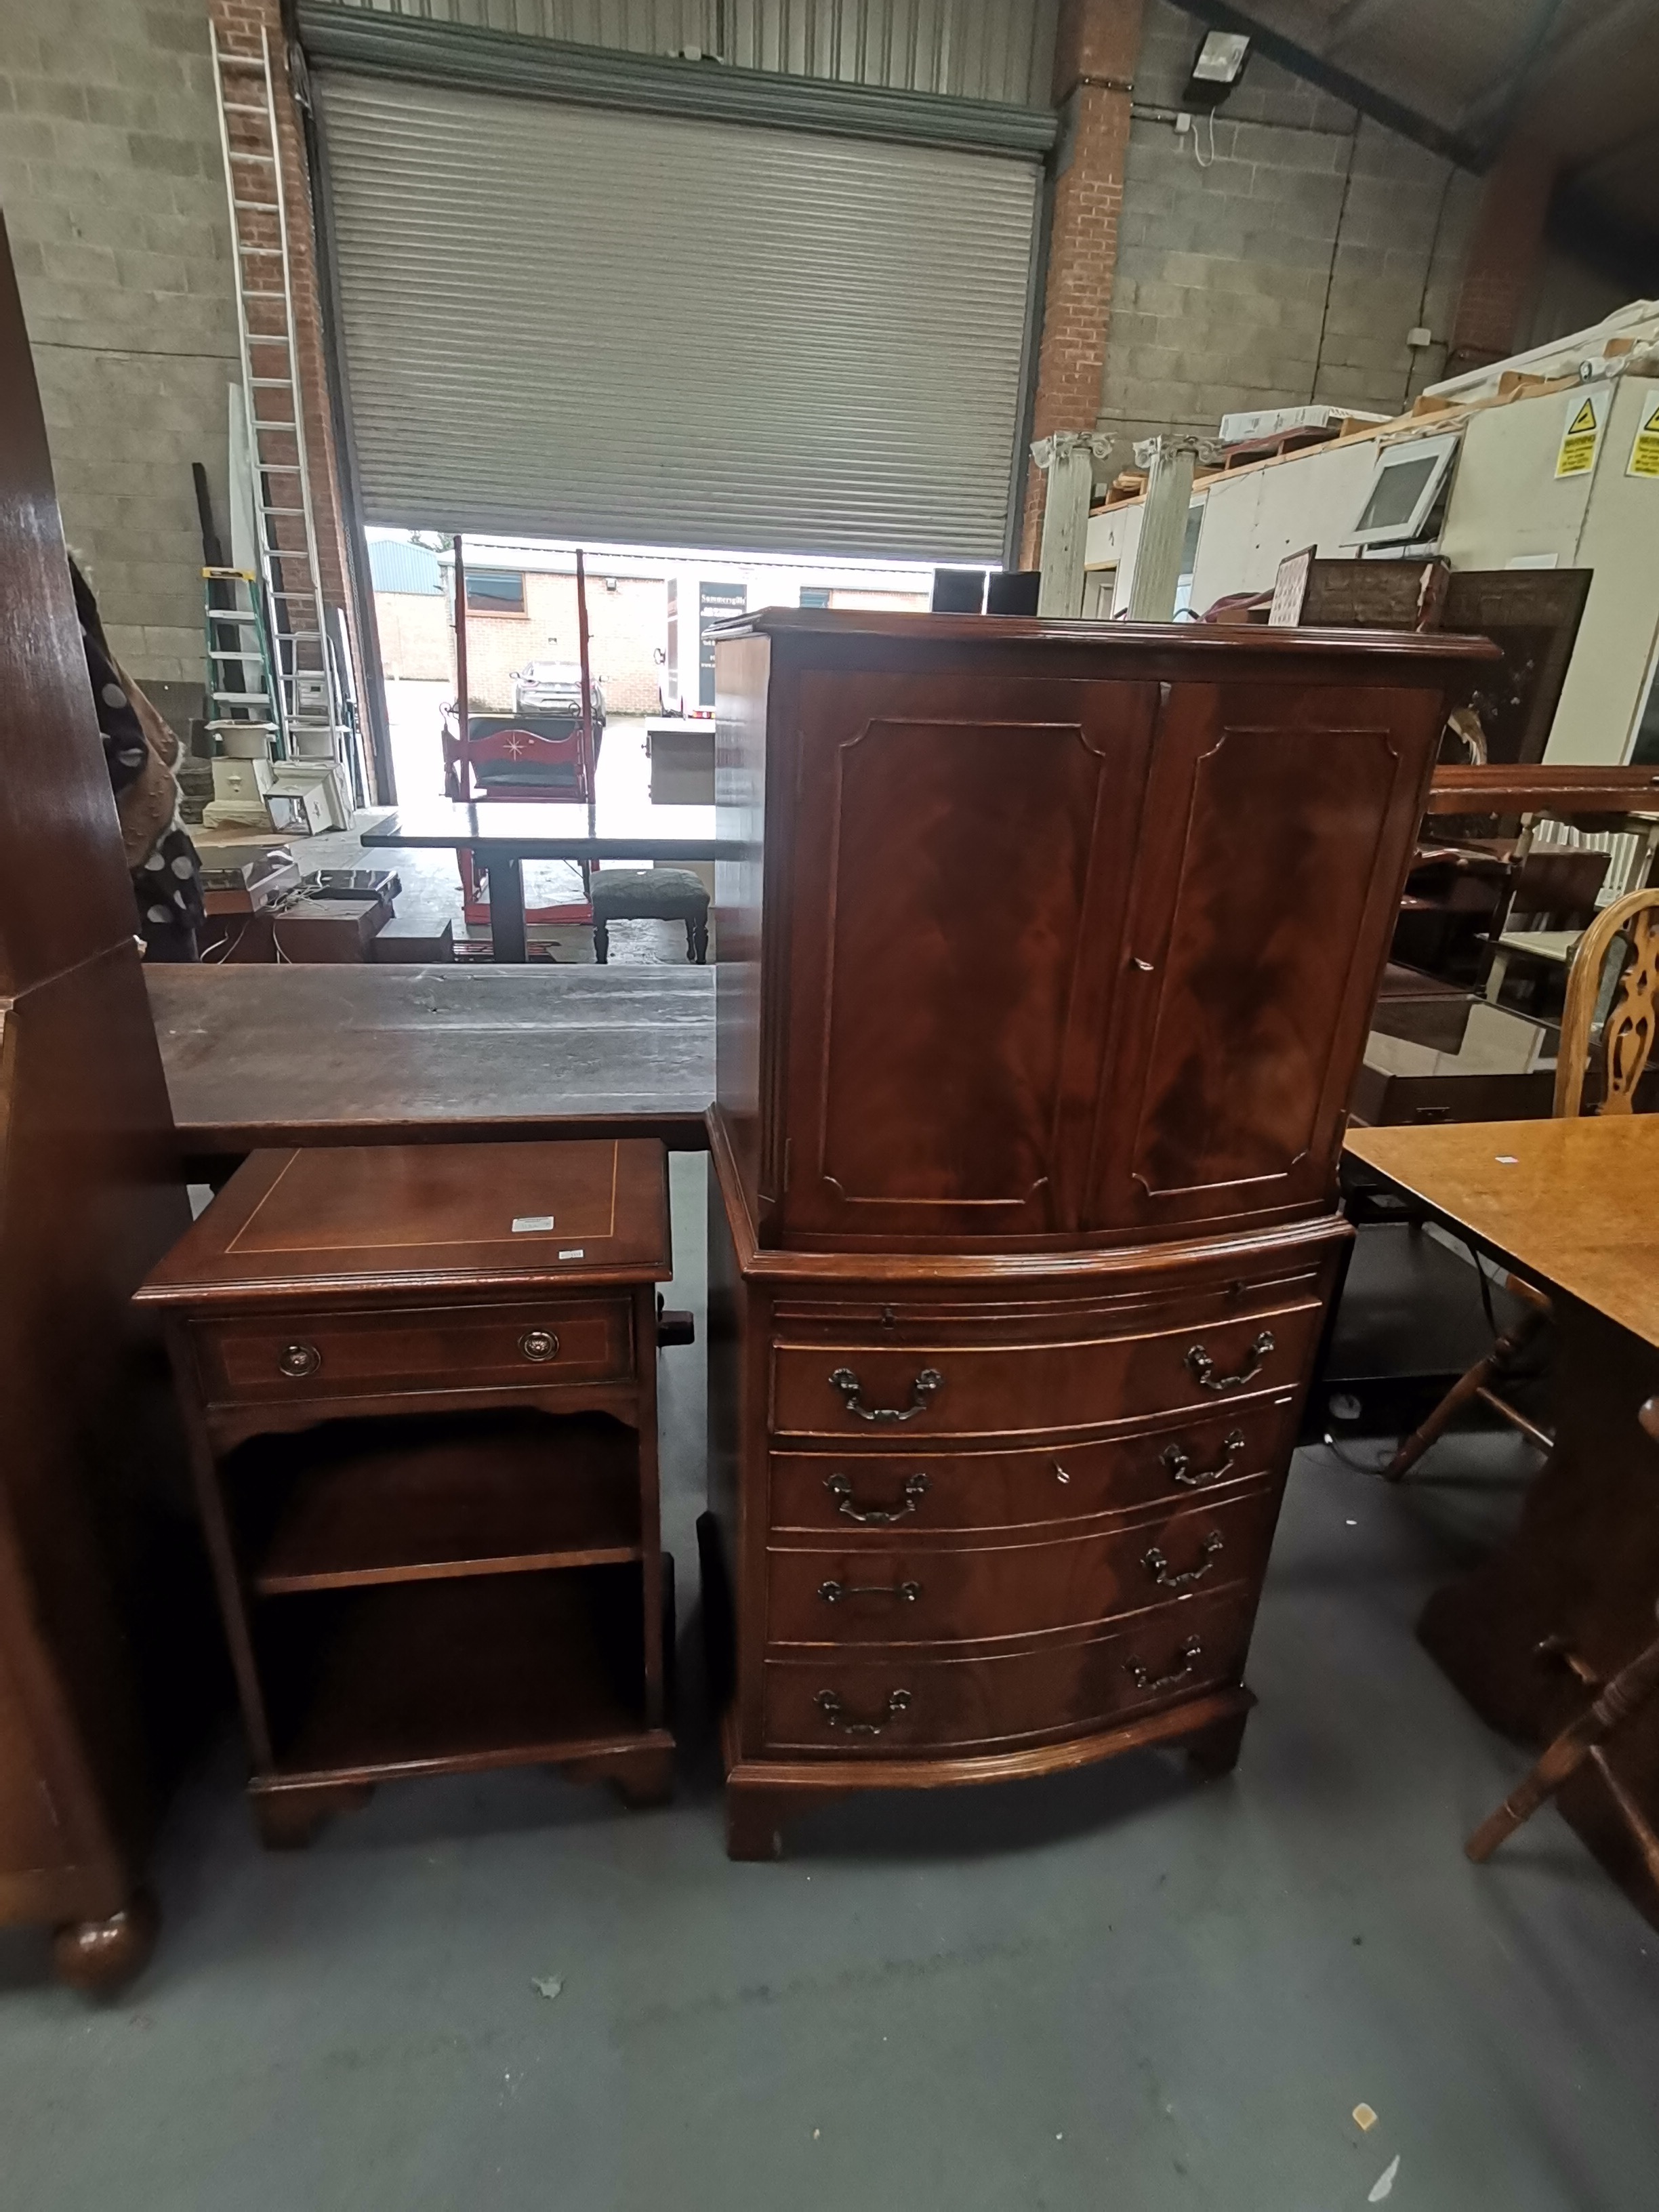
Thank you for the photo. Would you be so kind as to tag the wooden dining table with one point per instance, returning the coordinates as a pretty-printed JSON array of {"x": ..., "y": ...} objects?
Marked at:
[
  {"x": 502, "y": 835},
  {"x": 258, "y": 1056},
  {"x": 1573, "y": 1207}
]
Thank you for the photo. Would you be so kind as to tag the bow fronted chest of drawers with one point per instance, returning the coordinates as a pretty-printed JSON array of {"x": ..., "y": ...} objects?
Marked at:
[{"x": 1040, "y": 992}]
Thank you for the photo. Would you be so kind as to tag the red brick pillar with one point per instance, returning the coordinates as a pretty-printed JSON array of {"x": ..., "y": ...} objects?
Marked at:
[
  {"x": 1504, "y": 255},
  {"x": 1096, "y": 46}
]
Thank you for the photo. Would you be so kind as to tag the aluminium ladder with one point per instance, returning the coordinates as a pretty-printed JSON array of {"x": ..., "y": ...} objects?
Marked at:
[{"x": 306, "y": 693}]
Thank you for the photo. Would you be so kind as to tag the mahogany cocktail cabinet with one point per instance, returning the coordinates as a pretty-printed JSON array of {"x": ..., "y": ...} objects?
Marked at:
[{"x": 1041, "y": 990}]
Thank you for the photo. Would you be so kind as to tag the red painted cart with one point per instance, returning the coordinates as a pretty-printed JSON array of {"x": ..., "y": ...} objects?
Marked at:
[{"x": 523, "y": 757}]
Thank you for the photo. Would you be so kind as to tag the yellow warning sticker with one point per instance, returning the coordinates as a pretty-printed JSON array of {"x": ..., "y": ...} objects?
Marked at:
[
  {"x": 1583, "y": 434},
  {"x": 1644, "y": 453}
]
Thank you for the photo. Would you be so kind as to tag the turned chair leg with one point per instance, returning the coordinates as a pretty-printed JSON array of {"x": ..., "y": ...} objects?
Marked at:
[
  {"x": 1630, "y": 1688},
  {"x": 1477, "y": 1383},
  {"x": 601, "y": 944}
]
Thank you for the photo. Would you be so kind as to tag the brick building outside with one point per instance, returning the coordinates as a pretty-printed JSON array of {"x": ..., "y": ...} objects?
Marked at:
[{"x": 521, "y": 606}]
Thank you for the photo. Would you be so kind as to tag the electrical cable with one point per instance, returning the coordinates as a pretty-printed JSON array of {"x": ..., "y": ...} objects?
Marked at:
[
  {"x": 220, "y": 953},
  {"x": 1336, "y": 254},
  {"x": 1347, "y": 1458},
  {"x": 1428, "y": 274}
]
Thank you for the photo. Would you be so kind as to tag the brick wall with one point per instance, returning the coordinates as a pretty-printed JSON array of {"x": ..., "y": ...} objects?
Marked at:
[
  {"x": 113, "y": 193},
  {"x": 1095, "y": 52},
  {"x": 416, "y": 643},
  {"x": 625, "y": 629},
  {"x": 1567, "y": 297},
  {"x": 1288, "y": 269}
]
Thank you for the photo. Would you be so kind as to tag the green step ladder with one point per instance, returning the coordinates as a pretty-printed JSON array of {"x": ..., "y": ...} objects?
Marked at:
[{"x": 242, "y": 692}]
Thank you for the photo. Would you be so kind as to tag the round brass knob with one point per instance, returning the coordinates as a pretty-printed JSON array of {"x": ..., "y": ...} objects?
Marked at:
[
  {"x": 297, "y": 1360},
  {"x": 539, "y": 1344}
]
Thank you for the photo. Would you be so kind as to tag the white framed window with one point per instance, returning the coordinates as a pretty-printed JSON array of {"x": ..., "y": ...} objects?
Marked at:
[{"x": 1408, "y": 480}]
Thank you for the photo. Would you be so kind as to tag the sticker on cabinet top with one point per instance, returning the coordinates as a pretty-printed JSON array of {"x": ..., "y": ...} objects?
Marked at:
[
  {"x": 1582, "y": 434},
  {"x": 1644, "y": 453},
  {"x": 531, "y": 1225}
]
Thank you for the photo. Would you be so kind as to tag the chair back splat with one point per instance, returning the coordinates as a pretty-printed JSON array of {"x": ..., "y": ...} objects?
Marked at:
[{"x": 1626, "y": 1041}]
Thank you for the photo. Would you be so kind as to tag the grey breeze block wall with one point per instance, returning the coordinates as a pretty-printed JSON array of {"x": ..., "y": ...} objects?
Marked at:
[
  {"x": 112, "y": 187},
  {"x": 1287, "y": 270},
  {"x": 1291, "y": 268}
]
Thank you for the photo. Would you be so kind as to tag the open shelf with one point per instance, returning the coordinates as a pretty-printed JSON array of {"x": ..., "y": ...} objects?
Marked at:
[
  {"x": 407, "y": 1678},
  {"x": 353, "y": 1504}
]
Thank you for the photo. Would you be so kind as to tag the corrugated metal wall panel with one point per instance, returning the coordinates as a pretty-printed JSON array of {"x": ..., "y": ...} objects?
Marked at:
[
  {"x": 575, "y": 322},
  {"x": 976, "y": 49}
]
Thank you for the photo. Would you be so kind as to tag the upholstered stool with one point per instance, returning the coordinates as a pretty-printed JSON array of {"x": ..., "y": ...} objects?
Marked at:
[{"x": 649, "y": 894}]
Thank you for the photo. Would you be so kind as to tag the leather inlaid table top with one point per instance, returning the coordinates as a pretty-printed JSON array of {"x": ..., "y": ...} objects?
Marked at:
[
  {"x": 1572, "y": 1204},
  {"x": 335, "y": 1221}
]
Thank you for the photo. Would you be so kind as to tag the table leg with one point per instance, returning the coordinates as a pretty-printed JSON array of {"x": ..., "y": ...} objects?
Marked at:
[
  {"x": 1499, "y": 970},
  {"x": 506, "y": 932}
]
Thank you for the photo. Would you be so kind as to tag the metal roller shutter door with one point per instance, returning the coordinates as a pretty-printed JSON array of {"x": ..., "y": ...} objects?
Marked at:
[{"x": 577, "y": 322}]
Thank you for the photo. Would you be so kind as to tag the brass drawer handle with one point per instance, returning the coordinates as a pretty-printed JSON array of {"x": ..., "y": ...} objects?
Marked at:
[
  {"x": 898, "y": 1701},
  {"x": 1203, "y": 1366},
  {"x": 921, "y": 1390},
  {"x": 916, "y": 1487},
  {"x": 298, "y": 1360},
  {"x": 539, "y": 1344},
  {"x": 905, "y": 1593},
  {"x": 1181, "y": 1470},
  {"x": 1191, "y": 1652},
  {"x": 1157, "y": 1566}
]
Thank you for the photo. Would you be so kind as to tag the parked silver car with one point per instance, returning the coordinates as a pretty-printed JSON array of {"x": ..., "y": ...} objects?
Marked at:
[{"x": 555, "y": 687}]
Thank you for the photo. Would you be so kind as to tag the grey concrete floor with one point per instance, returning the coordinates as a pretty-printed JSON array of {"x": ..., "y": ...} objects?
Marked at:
[{"x": 1118, "y": 1990}]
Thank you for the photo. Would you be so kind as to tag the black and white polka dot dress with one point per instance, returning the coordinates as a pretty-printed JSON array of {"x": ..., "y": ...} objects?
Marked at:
[{"x": 167, "y": 881}]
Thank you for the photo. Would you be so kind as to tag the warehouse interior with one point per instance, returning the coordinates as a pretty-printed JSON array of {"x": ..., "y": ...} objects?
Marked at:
[{"x": 828, "y": 1206}]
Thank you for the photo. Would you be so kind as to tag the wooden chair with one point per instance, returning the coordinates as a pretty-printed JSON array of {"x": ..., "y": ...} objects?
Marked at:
[
  {"x": 1626, "y": 1044},
  {"x": 1619, "y": 1699},
  {"x": 1620, "y": 1058}
]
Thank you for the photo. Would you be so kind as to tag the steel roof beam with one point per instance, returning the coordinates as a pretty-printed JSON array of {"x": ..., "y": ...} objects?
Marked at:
[{"x": 1302, "y": 60}]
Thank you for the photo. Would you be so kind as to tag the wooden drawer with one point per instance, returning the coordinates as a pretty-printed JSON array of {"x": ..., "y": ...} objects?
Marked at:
[
  {"x": 1213, "y": 1289},
  {"x": 897, "y": 1703},
  {"x": 430, "y": 1348},
  {"x": 866, "y": 1500},
  {"x": 969, "y": 1384},
  {"x": 923, "y": 1593}
]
